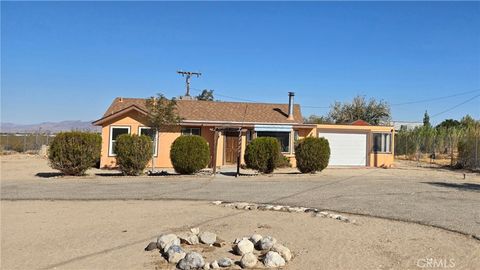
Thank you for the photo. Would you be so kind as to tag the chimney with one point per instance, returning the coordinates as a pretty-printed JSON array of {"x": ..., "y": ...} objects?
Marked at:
[{"x": 290, "y": 105}]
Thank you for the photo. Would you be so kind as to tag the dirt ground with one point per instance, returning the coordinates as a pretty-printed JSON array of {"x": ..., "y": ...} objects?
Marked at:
[{"x": 112, "y": 235}]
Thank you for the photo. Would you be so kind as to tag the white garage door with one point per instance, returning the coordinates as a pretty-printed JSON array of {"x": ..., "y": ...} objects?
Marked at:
[{"x": 347, "y": 149}]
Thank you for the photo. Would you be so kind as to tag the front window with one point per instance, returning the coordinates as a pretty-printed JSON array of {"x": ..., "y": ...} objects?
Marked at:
[
  {"x": 382, "y": 142},
  {"x": 114, "y": 133},
  {"x": 282, "y": 137},
  {"x": 152, "y": 135},
  {"x": 191, "y": 131}
]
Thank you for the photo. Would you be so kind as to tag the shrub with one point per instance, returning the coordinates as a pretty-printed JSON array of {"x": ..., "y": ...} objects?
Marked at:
[
  {"x": 283, "y": 162},
  {"x": 312, "y": 154},
  {"x": 189, "y": 154},
  {"x": 133, "y": 153},
  {"x": 73, "y": 153},
  {"x": 262, "y": 154}
]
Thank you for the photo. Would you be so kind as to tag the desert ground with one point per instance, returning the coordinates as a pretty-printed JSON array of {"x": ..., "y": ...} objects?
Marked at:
[{"x": 404, "y": 217}]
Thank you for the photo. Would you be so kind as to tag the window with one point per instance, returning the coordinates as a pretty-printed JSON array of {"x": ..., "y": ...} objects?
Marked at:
[
  {"x": 282, "y": 137},
  {"x": 249, "y": 135},
  {"x": 191, "y": 131},
  {"x": 382, "y": 142},
  {"x": 114, "y": 133},
  {"x": 147, "y": 131}
]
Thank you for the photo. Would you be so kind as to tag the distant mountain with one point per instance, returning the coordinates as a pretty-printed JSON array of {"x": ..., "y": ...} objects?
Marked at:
[{"x": 52, "y": 127}]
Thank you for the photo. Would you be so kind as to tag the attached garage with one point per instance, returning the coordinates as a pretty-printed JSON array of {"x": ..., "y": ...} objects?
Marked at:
[{"x": 346, "y": 149}]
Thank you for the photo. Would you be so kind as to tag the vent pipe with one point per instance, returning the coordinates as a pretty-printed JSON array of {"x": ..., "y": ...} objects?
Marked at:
[{"x": 290, "y": 105}]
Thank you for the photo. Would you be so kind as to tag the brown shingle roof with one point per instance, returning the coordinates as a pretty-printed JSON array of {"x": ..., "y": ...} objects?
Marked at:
[{"x": 213, "y": 111}]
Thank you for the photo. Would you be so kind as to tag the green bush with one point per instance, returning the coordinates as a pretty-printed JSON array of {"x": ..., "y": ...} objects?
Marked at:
[
  {"x": 312, "y": 154},
  {"x": 133, "y": 153},
  {"x": 73, "y": 153},
  {"x": 189, "y": 154},
  {"x": 263, "y": 154},
  {"x": 283, "y": 162}
]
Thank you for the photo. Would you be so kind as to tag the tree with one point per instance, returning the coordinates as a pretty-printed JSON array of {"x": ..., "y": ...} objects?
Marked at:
[
  {"x": 467, "y": 121},
  {"x": 426, "y": 120},
  {"x": 315, "y": 119},
  {"x": 371, "y": 111},
  {"x": 206, "y": 95},
  {"x": 448, "y": 123},
  {"x": 161, "y": 112}
]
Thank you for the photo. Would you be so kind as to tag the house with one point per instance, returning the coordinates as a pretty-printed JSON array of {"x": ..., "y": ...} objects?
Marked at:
[
  {"x": 209, "y": 119},
  {"x": 229, "y": 126},
  {"x": 359, "y": 144}
]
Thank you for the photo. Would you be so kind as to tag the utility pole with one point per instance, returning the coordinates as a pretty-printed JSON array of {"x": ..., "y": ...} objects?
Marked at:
[{"x": 187, "y": 75}]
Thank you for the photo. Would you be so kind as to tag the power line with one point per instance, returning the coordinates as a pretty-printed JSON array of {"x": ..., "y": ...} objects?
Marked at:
[
  {"x": 456, "y": 106},
  {"x": 434, "y": 99}
]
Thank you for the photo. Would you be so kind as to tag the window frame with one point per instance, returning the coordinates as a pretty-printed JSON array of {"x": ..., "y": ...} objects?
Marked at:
[
  {"x": 289, "y": 139},
  {"x": 387, "y": 147},
  {"x": 191, "y": 128},
  {"x": 155, "y": 143},
  {"x": 110, "y": 139}
]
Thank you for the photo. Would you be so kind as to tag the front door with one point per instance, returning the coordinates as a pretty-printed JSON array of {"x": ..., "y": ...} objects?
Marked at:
[{"x": 231, "y": 146}]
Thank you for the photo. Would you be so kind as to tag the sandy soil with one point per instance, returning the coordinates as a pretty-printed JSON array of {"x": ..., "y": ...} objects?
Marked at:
[{"x": 112, "y": 235}]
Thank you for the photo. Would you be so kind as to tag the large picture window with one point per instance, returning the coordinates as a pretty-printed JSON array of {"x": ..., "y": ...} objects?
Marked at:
[
  {"x": 382, "y": 142},
  {"x": 114, "y": 133},
  {"x": 147, "y": 131},
  {"x": 191, "y": 131},
  {"x": 282, "y": 137}
]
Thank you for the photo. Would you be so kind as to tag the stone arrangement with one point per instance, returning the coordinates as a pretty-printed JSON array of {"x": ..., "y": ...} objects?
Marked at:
[
  {"x": 255, "y": 251},
  {"x": 283, "y": 208}
]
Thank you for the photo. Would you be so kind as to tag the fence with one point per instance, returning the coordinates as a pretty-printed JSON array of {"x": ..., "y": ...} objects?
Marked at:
[
  {"x": 454, "y": 146},
  {"x": 24, "y": 142}
]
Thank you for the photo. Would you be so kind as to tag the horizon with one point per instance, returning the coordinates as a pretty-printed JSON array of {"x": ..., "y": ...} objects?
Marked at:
[{"x": 67, "y": 61}]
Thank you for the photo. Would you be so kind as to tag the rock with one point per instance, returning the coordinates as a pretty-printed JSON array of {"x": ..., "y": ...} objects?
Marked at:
[
  {"x": 188, "y": 238},
  {"x": 252, "y": 207},
  {"x": 151, "y": 246},
  {"x": 273, "y": 259},
  {"x": 217, "y": 202},
  {"x": 207, "y": 238},
  {"x": 283, "y": 251},
  {"x": 229, "y": 205},
  {"x": 195, "y": 230},
  {"x": 311, "y": 210},
  {"x": 255, "y": 238},
  {"x": 243, "y": 247},
  {"x": 277, "y": 207},
  {"x": 225, "y": 262},
  {"x": 165, "y": 241},
  {"x": 266, "y": 243},
  {"x": 241, "y": 205},
  {"x": 214, "y": 265},
  {"x": 334, "y": 216},
  {"x": 322, "y": 214},
  {"x": 269, "y": 207},
  {"x": 237, "y": 240},
  {"x": 174, "y": 254},
  {"x": 206, "y": 266},
  {"x": 248, "y": 260},
  {"x": 219, "y": 242},
  {"x": 344, "y": 219},
  {"x": 191, "y": 261}
]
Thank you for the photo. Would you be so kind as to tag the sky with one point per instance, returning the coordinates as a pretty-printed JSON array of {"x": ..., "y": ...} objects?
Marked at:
[{"x": 69, "y": 60}]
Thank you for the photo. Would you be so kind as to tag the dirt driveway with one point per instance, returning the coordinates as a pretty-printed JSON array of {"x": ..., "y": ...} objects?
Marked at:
[{"x": 440, "y": 198}]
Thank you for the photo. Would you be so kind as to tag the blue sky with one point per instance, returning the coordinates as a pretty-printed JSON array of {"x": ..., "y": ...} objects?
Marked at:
[{"x": 67, "y": 61}]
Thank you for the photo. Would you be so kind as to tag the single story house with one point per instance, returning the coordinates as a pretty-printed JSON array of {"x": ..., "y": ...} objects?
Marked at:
[
  {"x": 231, "y": 125},
  {"x": 213, "y": 120}
]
